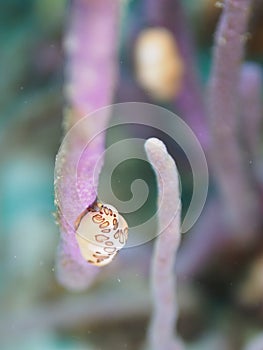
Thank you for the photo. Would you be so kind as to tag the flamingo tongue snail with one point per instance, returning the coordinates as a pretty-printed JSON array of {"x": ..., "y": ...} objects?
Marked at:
[{"x": 100, "y": 232}]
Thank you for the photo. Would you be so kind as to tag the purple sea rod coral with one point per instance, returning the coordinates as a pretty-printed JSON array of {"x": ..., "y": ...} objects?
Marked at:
[
  {"x": 224, "y": 110},
  {"x": 161, "y": 331},
  {"x": 250, "y": 91},
  {"x": 91, "y": 59}
]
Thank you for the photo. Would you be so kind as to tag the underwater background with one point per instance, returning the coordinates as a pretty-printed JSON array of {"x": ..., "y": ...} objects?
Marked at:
[{"x": 220, "y": 282}]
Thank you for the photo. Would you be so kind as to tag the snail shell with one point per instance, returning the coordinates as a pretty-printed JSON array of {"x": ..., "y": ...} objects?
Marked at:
[
  {"x": 100, "y": 232},
  {"x": 158, "y": 63}
]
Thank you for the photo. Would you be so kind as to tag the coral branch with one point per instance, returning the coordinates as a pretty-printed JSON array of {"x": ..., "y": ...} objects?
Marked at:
[
  {"x": 90, "y": 73},
  {"x": 92, "y": 54},
  {"x": 250, "y": 90},
  {"x": 224, "y": 101},
  {"x": 161, "y": 331}
]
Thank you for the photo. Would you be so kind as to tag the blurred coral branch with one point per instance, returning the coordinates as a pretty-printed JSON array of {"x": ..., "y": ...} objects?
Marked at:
[
  {"x": 251, "y": 114},
  {"x": 234, "y": 93},
  {"x": 230, "y": 171}
]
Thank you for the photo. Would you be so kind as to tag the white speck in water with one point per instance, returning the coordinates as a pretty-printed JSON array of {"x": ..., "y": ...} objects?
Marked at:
[
  {"x": 221, "y": 40},
  {"x": 219, "y": 4},
  {"x": 53, "y": 269},
  {"x": 119, "y": 280},
  {"x": 14, "y": 256},
  {"x": 250, "y": 162},
  {"x": 245, "y": 37}
]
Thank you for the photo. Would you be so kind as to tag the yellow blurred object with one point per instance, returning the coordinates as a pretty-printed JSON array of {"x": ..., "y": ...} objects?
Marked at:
[
  {"x": 159, "y": 66},
  {"x": 251, "y": 291}
]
